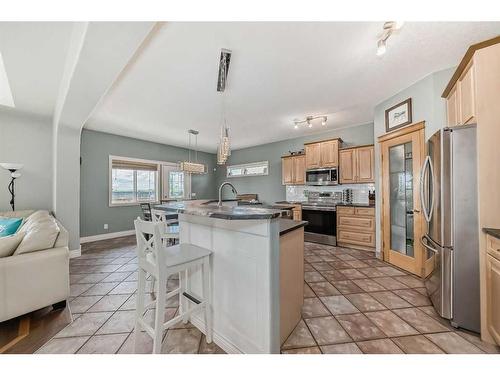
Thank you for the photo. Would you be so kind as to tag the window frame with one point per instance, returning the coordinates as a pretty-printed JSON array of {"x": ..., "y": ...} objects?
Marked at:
[
  {"x": 165, "y": 190},
  {"x": 264, "y": 163},
  {"x": 110, "y": 180}
]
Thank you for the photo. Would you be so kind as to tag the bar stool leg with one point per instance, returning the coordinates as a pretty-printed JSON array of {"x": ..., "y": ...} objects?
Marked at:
[
  {"x": 182, "y": 300},
  {"x": 207, "y": 296},
  {"x": 160, "y": 313},
  {"x": 139, "y": 309}
]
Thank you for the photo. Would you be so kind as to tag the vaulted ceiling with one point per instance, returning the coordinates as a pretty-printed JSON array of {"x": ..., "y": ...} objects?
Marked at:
[{"x": 279, "y": 71}]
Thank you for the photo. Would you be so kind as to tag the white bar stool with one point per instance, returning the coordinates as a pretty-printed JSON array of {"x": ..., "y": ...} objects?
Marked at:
[{"x": 162, "y": 261}]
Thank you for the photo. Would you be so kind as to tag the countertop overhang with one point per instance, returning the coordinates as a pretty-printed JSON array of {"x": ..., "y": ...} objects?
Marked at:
[{"x": 287, "y": 225}]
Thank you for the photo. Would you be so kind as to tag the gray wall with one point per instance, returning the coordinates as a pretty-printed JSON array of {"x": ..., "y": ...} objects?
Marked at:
[
  {"x": 26, "y": 139},
  {"x": 94, "y": 202},
  {"x": 427, "y": 105},
  {"x": 269, "y": 187}
]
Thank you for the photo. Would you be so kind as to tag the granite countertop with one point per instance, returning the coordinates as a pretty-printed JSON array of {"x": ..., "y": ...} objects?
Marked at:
[
  {"x": 287, "y": 225},
  {"x": 356, "y": 204},
  {"x": 209, "y": 208},
  {"x": 492, "y": 232},
  {"x": 290, "y": 202}
]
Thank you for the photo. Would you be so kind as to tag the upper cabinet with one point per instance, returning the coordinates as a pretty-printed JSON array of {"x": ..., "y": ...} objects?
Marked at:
[
  {"x": 357, "y": 165},
  {"x": 293, "y": 170},
  {"x": 323, "y": 154},
  {"x": 461, "y": 100}
]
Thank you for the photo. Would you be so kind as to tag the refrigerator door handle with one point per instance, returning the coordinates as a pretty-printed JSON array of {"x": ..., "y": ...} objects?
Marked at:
[
  {"x": 431, "y": 193},
  {"x": 426, "y": 245},
  {"x": 422, "y": 197}
]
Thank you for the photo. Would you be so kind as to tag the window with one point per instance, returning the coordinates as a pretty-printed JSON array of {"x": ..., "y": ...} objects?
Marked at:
[
  {"x": 260, "y": 168},
  {"x": 176, "y": 184},
  {"x": 133, "y": 181}
]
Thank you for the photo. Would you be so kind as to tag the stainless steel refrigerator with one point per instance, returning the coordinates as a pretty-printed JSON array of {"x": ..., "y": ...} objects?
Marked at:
[{"x": 449, "y": 204}]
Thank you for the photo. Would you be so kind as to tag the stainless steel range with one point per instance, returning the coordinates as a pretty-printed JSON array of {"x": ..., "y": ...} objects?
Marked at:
[{"x": 321, "y": 214}]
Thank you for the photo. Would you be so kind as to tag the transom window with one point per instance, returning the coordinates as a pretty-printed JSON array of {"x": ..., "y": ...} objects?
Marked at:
[{"x": 260, "y": 168}]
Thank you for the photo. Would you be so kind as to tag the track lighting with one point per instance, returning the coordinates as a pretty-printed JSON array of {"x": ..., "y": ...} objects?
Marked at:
[
  {"x": 308, "y": 121},
  {"x": 381, "y": 48},
  {"x": 323, "y": 122},
  {"x": 388, "y": 29}
]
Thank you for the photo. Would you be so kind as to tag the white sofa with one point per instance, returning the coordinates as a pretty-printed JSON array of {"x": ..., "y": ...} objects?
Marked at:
[{"x": 36, "y": 274}]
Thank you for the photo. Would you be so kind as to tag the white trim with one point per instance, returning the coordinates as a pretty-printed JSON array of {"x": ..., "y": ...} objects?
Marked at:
[
  {"x": 106, "y": 236},
  {"x": 220, "y": 340},
  {"x": 75, "y": 253}
]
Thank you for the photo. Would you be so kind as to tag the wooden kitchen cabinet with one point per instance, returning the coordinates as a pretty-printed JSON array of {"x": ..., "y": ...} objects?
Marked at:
[
  {"x": 356, "y": 227},
  {"x": 324, "y": 154},
  {"x": 493, "y": 287},
  {"x": 313, "y": 155},
  {"x": 293, "y": 170},
  {"x": 357, "y": 165},
  {"x": 452, "y": 108},
  {"x": 461, "y": 100}
]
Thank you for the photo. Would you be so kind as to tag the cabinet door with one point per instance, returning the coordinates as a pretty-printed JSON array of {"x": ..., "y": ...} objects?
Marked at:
[
  {"x": 452, "y": 108},
  {"x": 467, "y": 97},
  {"x": 329, "y": 153},
  {"x": 313, "y": 155},
  {"x": 287, "y": 171},
  {"x": 493, "y": 297},
  {"x": 365, "y": 165},
  {"x": 347, "y": 166},
  {"x": 299, "y": 170}
]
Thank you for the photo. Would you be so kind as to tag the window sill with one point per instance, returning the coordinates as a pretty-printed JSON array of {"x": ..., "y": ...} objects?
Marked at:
[{"x": 130, "y": 204}]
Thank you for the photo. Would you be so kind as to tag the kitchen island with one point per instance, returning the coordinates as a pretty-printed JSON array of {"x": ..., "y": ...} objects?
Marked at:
[{"x": 257, "y": 274}]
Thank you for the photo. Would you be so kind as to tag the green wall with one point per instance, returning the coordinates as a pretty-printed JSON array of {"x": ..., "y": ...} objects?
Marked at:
[
  {"x": 269, "y": 187},
  {"x": 94, "y": 202}
]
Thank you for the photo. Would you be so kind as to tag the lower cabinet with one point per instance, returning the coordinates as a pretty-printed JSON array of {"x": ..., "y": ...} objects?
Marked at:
[
  {"x": 493, "y": 290},
  {"x": 356, "y": 227}
]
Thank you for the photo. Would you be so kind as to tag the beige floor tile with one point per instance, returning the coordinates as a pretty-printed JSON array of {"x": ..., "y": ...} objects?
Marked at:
[
  {"x": 76, "y": 289},
  {"x": 313, "y": 307},
  {"x": 313, "y": 277},
  {"x": 145, "y": 344},
  {"x": 308, "y": 292},
  {"x": 103, "y": 344},
  {"x": 359, "y": 327},
  {"x": 371, "y": 272},
  {"x": 365, "y": 302},
  {"x": 300, "y": 337},
  {"x": 357, "y": 264},
  {"x": 416, "y": 345},
  {"x": 339, "y": 264},
  {"x": 390, "y": 283},
  {"x": 100, "y": 289},
  {"x": 368, "y": 285},
  {"x": 211, "y": 348},
  {"x": 120, "y": 322},
  {"x": 109, "y": 303},
  {"x": 390, "y": 323},
  {"x": 67, "y": 345},
  {"x": 414, "y": 297},
  {"x": 347, "y": 287},
  {"x": 381, "y": 346},
  {"x": 83, "y": 303},
  {"x": 116, "y": 276},
  {"x": 345, "y": 257},
  {"x": 347, "y": 348},
  {"x": 421, "y": 321},
  {"x": 390, "y": 300},
  {"x": 182, "y": 341},
  {"x": 391, "y": 271},
  {"x": 327, "y": 330},
  {"x": 323, "y": 289},
  {"x": 476, "y": 340},
  {"x": 321, "y": 266},
  {"x": 333, "y": 275},
  {"x": 411, "y": 281},
  {"x": 94, "y": 277},
  {"x": 376, "y": 263},
  {"x": 452, "y": 343},
  {"x": 339, "y": 305},
  {"x": 352, "y": 273},
  {"x": 125, "y": 287},
  {"x": 85, "y": 325},
  {"x": 309, "y": 350}
]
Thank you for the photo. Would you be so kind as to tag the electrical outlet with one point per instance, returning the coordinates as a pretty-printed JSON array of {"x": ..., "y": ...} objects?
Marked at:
[
  {"x": 193, "y": 195},
  {"x": 106, "y": 226}
]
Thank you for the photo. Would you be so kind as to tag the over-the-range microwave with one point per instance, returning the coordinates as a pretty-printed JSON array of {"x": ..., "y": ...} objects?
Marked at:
[{"x": 322, "y": 176}]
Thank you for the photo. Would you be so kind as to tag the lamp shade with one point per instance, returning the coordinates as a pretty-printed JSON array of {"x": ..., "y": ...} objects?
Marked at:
[{"x": 12, "y": 166}]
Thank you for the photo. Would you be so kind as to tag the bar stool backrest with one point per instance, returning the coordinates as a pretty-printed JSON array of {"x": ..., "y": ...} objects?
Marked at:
[{"x": 149, "y": 244}]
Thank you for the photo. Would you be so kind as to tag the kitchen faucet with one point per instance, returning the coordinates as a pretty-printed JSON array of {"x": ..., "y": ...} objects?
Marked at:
[{"x": 220, "y": 191}]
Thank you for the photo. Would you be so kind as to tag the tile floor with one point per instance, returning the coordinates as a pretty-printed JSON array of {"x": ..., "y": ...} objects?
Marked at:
[{"x": 353, "y": 303}]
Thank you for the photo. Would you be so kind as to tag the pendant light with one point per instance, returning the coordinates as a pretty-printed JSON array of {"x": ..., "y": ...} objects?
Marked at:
[
  {"x": 189, "y": 166},
  {"x": 224, "y": 148}
]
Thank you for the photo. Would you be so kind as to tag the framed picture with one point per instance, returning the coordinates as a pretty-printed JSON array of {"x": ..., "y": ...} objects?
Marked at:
[{"x": 398, "y": 115}]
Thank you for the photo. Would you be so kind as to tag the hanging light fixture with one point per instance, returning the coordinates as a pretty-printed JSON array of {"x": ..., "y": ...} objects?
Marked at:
[
  {"x": 189, "y": 166},
  {"x": 224, "y": 148},
  {"x": 308, "y": 121}
]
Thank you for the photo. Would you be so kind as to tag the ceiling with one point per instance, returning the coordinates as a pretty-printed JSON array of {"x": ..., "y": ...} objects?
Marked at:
[
  {"x": 34, "y": 55},
  {"x": 279, "y": 71}
]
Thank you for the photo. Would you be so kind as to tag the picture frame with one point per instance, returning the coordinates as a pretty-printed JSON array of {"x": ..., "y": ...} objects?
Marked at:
[{"x": 398, "y": 116}]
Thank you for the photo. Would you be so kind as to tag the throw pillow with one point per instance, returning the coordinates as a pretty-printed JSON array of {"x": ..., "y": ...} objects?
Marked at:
[
  {"x": 39, "y": 237},
  {"x": 9, "y": 225}
]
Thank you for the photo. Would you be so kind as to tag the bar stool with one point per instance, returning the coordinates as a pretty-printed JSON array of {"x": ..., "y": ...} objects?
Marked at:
[
  {"x": 172, "y": 225},
  {"x": 162, "y": 261}
]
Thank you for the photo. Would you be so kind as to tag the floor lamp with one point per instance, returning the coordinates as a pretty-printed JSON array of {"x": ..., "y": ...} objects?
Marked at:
[{"x": 14, "y": 173}]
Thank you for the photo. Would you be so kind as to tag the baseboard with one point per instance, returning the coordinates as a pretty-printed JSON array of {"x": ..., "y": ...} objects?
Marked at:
[
  {"x": 218, "y": 339},
  {"x": 106, "y": 236},
  {"x": 75, "y": 253}
]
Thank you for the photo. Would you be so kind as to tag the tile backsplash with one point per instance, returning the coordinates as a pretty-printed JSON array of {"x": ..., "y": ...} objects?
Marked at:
[{"x": 359, "y": 191}]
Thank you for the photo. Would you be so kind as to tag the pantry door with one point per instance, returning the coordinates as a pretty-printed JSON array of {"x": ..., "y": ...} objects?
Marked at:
[{"x": 402, "y": 220}]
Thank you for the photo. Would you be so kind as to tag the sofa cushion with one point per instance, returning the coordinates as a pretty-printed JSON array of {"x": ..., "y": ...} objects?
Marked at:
[
  {"x": 35, "y": 217},
  {"x": 9, "y": 225},
  {"x": 9, "y": 244},
  {"x": 21, "y": 213},
  {"x": 39, "y": 235}
]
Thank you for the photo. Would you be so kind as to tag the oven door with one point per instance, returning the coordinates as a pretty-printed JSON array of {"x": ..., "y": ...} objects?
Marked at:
[
  {"x": 321, "y": 227},
  {"x": 321, "y": 176}
]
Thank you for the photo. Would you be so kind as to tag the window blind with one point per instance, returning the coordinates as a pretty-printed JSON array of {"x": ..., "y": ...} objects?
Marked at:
[{"x": 133, "y": 165}]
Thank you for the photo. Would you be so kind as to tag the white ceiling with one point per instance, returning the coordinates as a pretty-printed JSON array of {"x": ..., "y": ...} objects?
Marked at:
[{"x": 34, "y": 54}]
